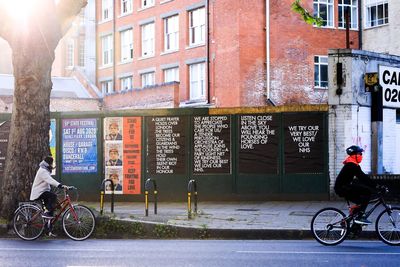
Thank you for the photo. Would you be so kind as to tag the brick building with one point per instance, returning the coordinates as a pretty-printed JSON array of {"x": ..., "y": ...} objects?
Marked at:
[{"x": 222, "y": 53}]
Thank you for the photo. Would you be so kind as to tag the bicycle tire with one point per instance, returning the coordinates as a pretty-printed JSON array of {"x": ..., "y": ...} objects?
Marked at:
[
  {"x": 78, "y": 222},
  {"x": 387, "y": 232},
  {"x": 329, "y": 227},
  {"x": 28, "y": 222}
]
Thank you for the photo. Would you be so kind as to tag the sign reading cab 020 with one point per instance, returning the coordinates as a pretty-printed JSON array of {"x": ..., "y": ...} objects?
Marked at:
[{"x": 389, "y": 79}]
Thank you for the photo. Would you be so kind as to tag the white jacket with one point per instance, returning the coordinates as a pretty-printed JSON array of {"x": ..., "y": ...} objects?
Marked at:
[{"x": 42, "y": 181}]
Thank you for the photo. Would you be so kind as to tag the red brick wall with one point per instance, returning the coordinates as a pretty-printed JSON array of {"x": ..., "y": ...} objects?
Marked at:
[
  {"x": 163, "y": 96},
  {"x": 160, "y": 58},
  {"x": 293, "y": 47}
]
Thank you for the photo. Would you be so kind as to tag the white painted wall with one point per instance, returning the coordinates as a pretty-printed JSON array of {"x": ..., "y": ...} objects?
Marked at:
[
  {"x": 384, "y": 39},
  {"x": 350, "y": 113}
]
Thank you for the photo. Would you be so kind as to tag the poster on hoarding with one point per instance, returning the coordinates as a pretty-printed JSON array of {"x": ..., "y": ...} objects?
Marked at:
[
  {"x": 122, "y": 154},
  {"x": 79, "y": 145},
  {"x": 52, "y": 142},
  {"x": 258, "y": 143},
  {"x": 304, "y": 146},
  {"x": 211, "y": 144},
  {"x": 166, "y": 145}
]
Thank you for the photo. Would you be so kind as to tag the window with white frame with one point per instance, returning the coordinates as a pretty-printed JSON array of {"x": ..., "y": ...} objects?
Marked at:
[
  {"x": 107, "y": 9},
  {"x": 126, "y": 45},
  {"x": 107, "y": 49},
  {"x": 171, "y": 75},
  {"x": 81, "y": 52},
  {"x": 147, "y": 3},
  {"x": 377, "y": 12},
  {"x": 171, "y": 33},
  {"x": 351, "y": 7},
  {"x": 324, "y": 10},
  {"x": 321, "y": 71},
  {"x": 197, "y": 26},
  {"x": 70, "y": 54},
  {"x": 148, "y": 40},
  {"x": 107, "y": 87},
  {"x": 126, "y": 7},
  {"x": 197, "y": 81},
  {"x": 148, "y": 79},
  {"x": 126, "y": 83}
]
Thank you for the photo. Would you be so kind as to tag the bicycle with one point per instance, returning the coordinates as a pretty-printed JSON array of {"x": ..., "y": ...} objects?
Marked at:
[
  {"x": 78, "y": 221},
  {"x": 330, "y": 226}
]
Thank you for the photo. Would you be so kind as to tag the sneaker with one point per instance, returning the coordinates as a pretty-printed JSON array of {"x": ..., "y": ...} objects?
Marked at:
[
  {"x": 47, "y": 215},
  {"x": 50, "y": 234},
  {"x": 362, "y": 220}
]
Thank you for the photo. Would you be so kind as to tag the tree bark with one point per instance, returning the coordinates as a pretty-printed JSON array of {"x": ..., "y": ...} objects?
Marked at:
[{"x": 33, "y": 55}]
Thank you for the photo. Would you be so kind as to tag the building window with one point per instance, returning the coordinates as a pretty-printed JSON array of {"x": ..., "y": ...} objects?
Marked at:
[
  {"x": 70, "y": 54},
  {"x": 377, "y": 12},
  {"x": 126, "y": 83},
  {"x": 171, "y": 75},
  {"x": 197, "y": 81},
  {"x": 148, "y": 79},
  {"x": 197, "y": 26},
  {"x": 107, "y": 50},
  {"x": 171, "y": 33},
  {"x": 107, "y": 87},
  {"x": 107, "y": 9},
  {"x": 81, "y": 52},
  {"x": 321, "y": 72},
  {"x": 148, "y": 40},
  {"x": 126, "y": 6},
  {"x": 126, "y": 45},
  {"x": 147, "y": 3},
  {"x": 351, "y": 6},
  {"x": 324, "y": 10}
]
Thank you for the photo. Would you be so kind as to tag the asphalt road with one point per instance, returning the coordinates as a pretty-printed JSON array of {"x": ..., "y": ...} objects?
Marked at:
[{"x": 58, "y": 252}]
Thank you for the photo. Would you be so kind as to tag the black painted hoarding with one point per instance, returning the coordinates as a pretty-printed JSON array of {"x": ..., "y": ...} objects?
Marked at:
[
  {"x": 258, "y": 143},
  {"x": 304, "y": 147}
]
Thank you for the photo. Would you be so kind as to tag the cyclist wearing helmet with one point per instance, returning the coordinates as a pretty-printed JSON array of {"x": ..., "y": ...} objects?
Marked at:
[{"x": 353, "y": 184}]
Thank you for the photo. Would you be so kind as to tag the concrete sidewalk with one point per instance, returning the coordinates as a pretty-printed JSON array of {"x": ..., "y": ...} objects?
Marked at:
[{"x": 252, "y": 220}]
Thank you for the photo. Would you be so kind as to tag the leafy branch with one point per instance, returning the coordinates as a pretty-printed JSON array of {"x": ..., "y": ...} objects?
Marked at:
[{"x": 306, "y": 16}]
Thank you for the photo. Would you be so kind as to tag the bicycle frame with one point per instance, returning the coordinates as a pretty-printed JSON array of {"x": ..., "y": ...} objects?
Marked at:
[
  {"x": 376, "y": 203},
  {"x": 63, "y": 205}
]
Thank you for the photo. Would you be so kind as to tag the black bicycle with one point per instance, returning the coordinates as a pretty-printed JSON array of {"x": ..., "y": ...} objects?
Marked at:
[{"x": 330, "y": 226}]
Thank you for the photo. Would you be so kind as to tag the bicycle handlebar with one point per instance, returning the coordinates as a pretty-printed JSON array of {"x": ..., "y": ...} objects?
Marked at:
[{"x": 67, "y": 188}]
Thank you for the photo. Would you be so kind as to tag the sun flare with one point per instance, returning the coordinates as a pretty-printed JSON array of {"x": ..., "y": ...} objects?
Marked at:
[{"x": 19, "y": 9}]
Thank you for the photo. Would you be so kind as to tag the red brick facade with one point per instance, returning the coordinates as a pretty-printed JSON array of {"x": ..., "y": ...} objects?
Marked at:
[{"x": 235, "y": 47}]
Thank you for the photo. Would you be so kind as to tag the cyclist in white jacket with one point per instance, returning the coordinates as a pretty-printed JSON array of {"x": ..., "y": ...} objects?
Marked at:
[{"x": 41, "y": 186}]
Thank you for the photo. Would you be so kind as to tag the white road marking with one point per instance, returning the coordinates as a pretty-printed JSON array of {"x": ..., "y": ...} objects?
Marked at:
[
  {"x": 58, "y": 249},
  {"x": 318, "y": 252}
]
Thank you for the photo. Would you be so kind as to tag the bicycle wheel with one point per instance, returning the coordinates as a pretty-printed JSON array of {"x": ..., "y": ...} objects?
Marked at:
[
  {"x": 388, "y": 226},
  {"x": 329, "y": 226},
  {"x": 28, "y": 222},
  {"x": 78, "y": 222}
]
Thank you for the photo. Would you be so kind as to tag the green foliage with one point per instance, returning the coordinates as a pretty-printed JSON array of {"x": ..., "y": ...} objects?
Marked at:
[
  {"x": 165, "y": 231},
  {"x": 112, "y": 227},
  {"x": 203, "y": 233},
  {"x": 306, "y": 16},
  {"x": 3, "y": 220}
]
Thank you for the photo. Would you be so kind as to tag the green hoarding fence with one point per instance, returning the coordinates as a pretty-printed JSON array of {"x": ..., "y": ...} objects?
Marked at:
[{"x": 266, "y": 153}]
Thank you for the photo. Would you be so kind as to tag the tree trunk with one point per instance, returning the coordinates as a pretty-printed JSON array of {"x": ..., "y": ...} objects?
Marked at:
[
  {"x": 30, "y": 122},
  {"x": 33, "y": 41}
]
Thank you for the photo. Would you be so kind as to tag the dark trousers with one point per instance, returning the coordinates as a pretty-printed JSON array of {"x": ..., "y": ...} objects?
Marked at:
[
  {"x": 359, "y": 194},
  {"x": 50, "y": 201}
]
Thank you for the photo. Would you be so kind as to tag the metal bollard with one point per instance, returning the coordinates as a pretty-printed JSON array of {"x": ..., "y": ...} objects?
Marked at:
[
  {"x": 102, "y": 192},
  {"x": 146, "y": 195},
  {"x": 192, "y": 187}
]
